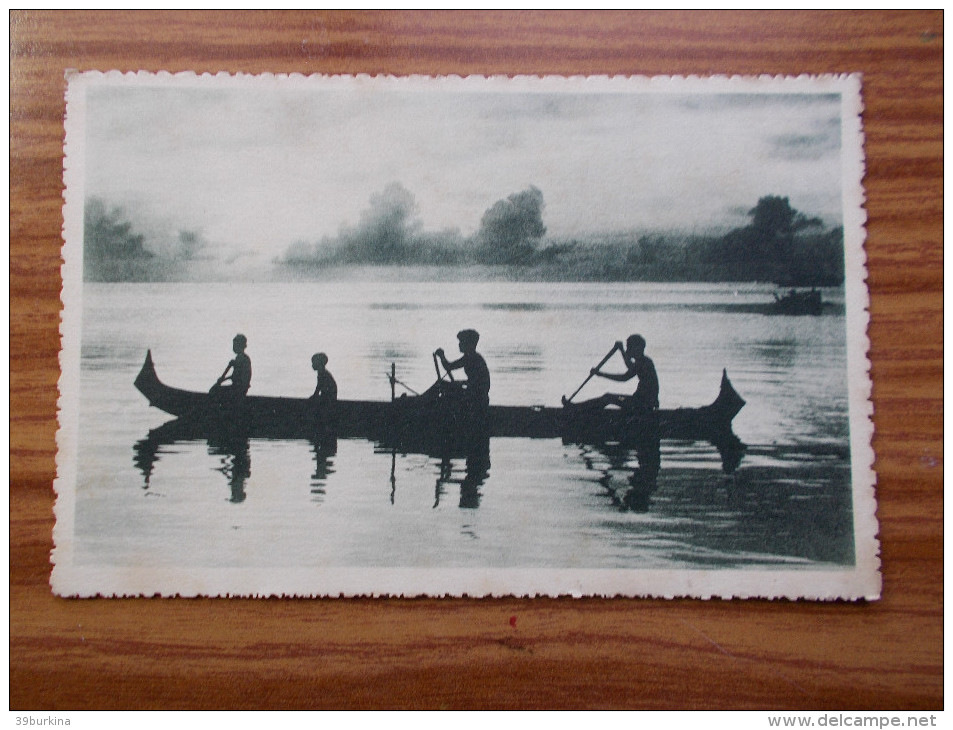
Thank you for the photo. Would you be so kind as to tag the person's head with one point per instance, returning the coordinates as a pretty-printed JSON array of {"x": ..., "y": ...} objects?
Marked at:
[
  {"x": 239, "y": 343},
  {"x": 468, "y": 340},
  {"x": 635, "y": 345},
  {"x": 319, "y": 361}
]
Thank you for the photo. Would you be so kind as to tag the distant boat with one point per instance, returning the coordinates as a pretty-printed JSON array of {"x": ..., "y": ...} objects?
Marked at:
[
  {"x": 798, "y": 303},
  {"x": 439, "y": 416}
]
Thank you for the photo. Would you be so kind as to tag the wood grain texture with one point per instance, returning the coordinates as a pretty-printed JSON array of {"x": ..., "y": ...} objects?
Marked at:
[{"x": 95, "y": 654}]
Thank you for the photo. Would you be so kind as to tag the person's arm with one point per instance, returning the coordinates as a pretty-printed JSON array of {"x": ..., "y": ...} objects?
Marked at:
[
  {"x": 227, "y": 374},
  {"x": 618, "y": 377},
  {"x": 629, "y": 373},
  {"x": 447, "y": 365}
]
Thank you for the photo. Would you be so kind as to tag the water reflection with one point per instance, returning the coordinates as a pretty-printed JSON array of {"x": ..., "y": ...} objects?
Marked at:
[
  {"x": 730, "y": 449},
  {"x": 235, "y": 462},
  {"x": 785, "y": 502},
  {"x": 467, "y": 467},
  {"x": 629, "y": 470},
  {"x": 323, "y": 450},
  {"x": 147, "y": 452},
  {"x": 476, "y": 470},
  {"x": 232, "y": 449},
  {"x": 639, "y": 460},
  {"x": 230, "y": 446}
]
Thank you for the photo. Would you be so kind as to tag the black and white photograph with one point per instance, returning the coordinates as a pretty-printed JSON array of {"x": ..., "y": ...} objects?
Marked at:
[{"x": 483, "y": 336}]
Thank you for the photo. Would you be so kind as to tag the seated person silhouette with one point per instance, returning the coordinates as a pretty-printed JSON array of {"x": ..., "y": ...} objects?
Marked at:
[
  {"x": 477, "y": 386},
  {"x": 233, "y": 384},
  {"x": 326, "y": 389},
  {"x": 637, "y": 365}
]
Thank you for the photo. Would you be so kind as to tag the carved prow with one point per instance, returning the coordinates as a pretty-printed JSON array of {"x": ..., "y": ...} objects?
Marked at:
[
  {"x": 147, "y": 380},
  {"x": 728, "y": 400}
]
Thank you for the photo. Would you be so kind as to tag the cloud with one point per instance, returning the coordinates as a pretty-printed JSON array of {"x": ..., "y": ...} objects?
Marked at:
[{"x": 798, "y": 146}]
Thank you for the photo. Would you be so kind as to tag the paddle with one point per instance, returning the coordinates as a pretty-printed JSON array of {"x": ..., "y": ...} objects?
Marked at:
[
  {"x": 616, "y": 346},
  {"x": 436, "y": 364},
  {"x": 218, "y": 383}
]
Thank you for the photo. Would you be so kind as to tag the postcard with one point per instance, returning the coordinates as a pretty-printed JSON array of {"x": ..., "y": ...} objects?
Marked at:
[{"x": 483, "y": 336}]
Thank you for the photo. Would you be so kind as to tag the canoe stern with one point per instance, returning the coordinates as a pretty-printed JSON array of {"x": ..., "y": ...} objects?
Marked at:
[{"x": 728, "y": 403}]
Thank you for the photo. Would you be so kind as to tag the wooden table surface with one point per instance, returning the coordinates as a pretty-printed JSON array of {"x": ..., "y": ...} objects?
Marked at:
[{"x": 686, "y": 654}]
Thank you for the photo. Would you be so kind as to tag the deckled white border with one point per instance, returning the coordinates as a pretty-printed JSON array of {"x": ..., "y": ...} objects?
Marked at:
[{"x": 862, "y": 581}]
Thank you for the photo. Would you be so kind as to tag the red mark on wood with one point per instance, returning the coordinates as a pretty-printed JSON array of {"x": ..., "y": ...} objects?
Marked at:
[{"x": 513, "y": 621}]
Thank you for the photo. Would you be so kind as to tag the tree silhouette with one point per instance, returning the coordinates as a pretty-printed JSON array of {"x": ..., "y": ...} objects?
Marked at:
[
  {"x": 511, "y": 228},
  {"x": 111, "y": 250},
  {"x": 773, "y": 227},
  {"x": 768, "y": 248}
]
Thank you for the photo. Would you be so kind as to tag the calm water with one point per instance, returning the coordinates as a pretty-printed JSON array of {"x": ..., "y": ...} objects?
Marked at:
[{"x": 536, "y": 503}]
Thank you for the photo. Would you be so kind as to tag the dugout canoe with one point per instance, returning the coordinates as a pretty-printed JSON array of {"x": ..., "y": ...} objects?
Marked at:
[{"x": 437, "y": 414}]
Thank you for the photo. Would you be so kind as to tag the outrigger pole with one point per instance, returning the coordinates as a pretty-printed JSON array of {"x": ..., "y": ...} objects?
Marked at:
[{"x": 392, "y": 377}]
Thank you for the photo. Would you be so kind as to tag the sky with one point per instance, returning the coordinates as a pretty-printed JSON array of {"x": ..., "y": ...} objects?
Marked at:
[{"x": 254, "y": 166}]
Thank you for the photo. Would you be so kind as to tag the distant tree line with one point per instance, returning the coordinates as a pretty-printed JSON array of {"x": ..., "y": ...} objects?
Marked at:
[
  {"x": 389, "y": 232},
  {"x": 112, "y": 250},
  {"x": 779, "y": 245},
  {"x": 115, "y": 249}
]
